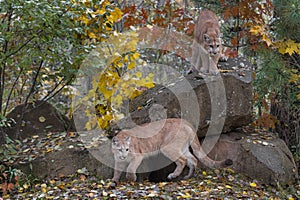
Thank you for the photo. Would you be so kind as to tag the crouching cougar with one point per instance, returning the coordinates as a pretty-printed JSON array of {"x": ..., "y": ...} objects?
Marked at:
[
  {"x": 171, "y": 137},
  {"x": 207, "y": 44}
]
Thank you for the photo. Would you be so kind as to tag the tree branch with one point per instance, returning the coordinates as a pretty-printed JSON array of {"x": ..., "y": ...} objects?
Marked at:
[
  {"x": 22, "y": 46},
  {"x": 55, "y": 93},
  {"x": 11, "y": 90},
  {"x": 26, "y": 100}
]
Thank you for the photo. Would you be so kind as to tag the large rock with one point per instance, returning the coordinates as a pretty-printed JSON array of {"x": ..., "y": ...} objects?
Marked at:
[
  {"x": 213, "y": 104},
  {"x": 39, "y": 118},
  {"x": 66, "y": 161},
  {"x": 260, "y": 156},
  {"x": 70, "y": 155}
]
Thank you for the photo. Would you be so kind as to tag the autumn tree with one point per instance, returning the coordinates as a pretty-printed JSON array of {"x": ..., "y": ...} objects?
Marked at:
[
  {"x": 285, "y": 104},
  {"x": 39, "y": 53},
  {"x": 268, "y": 33}
]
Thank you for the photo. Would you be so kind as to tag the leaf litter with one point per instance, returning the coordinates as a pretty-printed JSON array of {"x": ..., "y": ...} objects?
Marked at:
[{"x": 208, "y": 184}]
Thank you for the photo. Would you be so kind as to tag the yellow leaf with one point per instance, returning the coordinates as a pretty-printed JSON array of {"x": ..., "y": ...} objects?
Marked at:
[
  {"x": 115, "y": 15},
  {"x": 100, "y": 11},
  {"x": 294, "y": 78},
  {"x": 252, "y": 184},
  {"x": 139, "y": 108},
  {"x": 149, "y": 85},
  {"x": 126, "y": 58},
  {"x": 289, "y": 46},
  {"x": 92, "y": 35},
  {"x": 256, "y": 29},
  {"x": 119, "y": 64},
  {"x": 134, "y": 94},
  {"x": 131, "y": 65},
  {"x": 118, "y": 100},
  {"x": 186, "y": 195},
  {"x": 267, "y": 40},
  {"x": 162, "y": 184},
  {"x": 108, "y": 26},
  {"x": 42, "y": 119},
  {"x": 136, "y": 55},
  {"x": 84, "y": 19},
  {"x": 25, "y": 186},
  {"x": 44, "y": 190},
  {"x": 49, "y": 150},
  {"x": 139, "y": 74}
]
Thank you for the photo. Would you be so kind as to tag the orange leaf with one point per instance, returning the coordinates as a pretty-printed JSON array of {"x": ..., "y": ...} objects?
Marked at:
[
  {"x": 234, "y": 41},
  {"x": 235, "y": 11},
  {"x": 10, "y": 186},
  {"x": 227, "y": 13}
]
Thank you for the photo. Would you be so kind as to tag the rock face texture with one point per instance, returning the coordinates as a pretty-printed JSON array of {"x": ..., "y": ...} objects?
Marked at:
[
  {"x": 39, "y": 118},
  {"x": 224, "y": 102},
  {"x": 260, "y": 156}
]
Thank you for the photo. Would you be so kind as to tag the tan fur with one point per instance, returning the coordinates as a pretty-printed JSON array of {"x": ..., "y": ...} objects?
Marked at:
[
  {"x": 207, "y": 44},
  {"x": 172, "y": 137}
]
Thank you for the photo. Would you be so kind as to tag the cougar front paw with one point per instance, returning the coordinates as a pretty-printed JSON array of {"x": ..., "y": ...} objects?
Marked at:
[
  {"x": 131, "y": 177},
  {"x": 171, "y": 176}
]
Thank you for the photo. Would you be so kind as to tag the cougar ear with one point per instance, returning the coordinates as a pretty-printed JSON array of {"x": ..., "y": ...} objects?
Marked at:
[
  {"x": 128, "y": 139},
  {"x": 115, "y": 141},
  {"x": 206, "y": 37},
  {"x": 220, "y": 35}
]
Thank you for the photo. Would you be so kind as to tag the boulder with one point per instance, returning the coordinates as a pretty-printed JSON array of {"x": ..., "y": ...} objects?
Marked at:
[
  {"x": 213, "y": 104},
  {"x": 261, "y": 156},
  {"x": 69, "y": 156},
  {"x": 39, "y": 118},
  {"x": 64, "y": 162}
]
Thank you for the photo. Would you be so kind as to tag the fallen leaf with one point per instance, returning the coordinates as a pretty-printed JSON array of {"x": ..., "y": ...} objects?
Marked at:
[
  {"x": 42, "y": 119},
  {"x": 252, "y": 184}
]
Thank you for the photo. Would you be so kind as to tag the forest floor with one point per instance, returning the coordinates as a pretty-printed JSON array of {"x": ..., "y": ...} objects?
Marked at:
[{"x": 210, "y": 184}]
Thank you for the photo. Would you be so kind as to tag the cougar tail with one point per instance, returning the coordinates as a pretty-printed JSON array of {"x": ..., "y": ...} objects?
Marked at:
[{"x": 203, "y": 158}]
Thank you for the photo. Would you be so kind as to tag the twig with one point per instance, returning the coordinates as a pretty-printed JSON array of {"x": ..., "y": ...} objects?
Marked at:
[
  {"x": 11, "y": 90},
  {"x": 26, "y": 100}
]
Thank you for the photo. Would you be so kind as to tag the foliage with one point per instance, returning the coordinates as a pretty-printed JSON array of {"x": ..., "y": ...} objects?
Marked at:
[
  {"x": 258, "y": 29},
  {"x": 118, "y": 55},
  {"x": 240, "y": 17},
  {"x": 280, "y": 71},
  {"x": 169, "y": 15},
  {"x": 251, "y": 28},
  {"x": 39, "y": 53},
  {"x": 96, "y": 19},
  {"x": 268, "y": 32},
  {"x": 287, "y": 18},
  {"x": 9, "y": 176},
  {"x": 4, "y": 122},
  {"x": 120, "y": 78}
]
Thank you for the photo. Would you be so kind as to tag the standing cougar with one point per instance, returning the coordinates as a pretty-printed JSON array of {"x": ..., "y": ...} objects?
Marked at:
[{"x": 171, "y": 137}]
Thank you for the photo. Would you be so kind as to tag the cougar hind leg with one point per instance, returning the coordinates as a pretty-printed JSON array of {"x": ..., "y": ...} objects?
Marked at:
[
  {"x": 179, "y": 160},
  {"x": 191, "y": 163}
]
